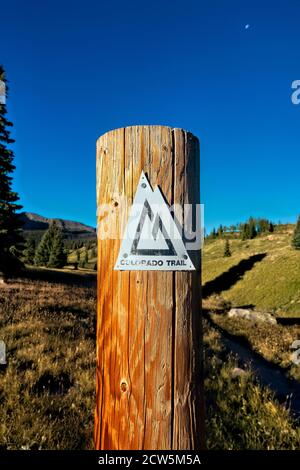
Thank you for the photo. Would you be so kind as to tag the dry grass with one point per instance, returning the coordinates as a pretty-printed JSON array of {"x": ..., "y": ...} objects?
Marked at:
[
  {"x": 271, "y": 284},
  {"x": 272, "y": 342},
  {"x": 240, "y": 413},
  {"x": 47, "y": 388}
]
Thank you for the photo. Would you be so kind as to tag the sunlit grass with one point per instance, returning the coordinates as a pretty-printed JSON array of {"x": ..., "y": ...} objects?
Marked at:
[
  {"x": 272, "y": 284},
  {"x": 47, "y": 390}
]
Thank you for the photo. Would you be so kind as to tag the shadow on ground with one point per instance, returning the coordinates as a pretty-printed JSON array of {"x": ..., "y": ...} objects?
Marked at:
[
  {"x": 286, "y": 390},
  {"x": 79, "y": 278},
  {"x": 288, "y": 320},
  {"x": 232, "y": 276}
]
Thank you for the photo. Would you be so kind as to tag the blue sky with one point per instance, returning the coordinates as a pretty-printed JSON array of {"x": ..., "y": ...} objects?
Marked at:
[{"x": 79, "y": 69}]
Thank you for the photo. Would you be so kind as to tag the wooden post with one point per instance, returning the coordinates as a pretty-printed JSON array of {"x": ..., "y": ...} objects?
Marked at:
[{"x": 149, "y": 369}]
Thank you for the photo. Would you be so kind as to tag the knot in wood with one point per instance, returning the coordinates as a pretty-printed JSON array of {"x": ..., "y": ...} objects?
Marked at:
[{"x": 123, "y": 386}]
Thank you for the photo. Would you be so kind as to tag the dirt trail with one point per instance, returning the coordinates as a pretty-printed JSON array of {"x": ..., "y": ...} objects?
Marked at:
[{"x": 286, "y": 390}]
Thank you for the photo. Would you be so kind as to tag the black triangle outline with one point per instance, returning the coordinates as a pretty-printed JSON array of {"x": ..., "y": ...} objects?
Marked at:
[{"x": 158, "y": 225}]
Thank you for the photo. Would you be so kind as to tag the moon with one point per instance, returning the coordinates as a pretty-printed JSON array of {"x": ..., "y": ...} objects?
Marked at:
[{"x": 247, "y": 26}]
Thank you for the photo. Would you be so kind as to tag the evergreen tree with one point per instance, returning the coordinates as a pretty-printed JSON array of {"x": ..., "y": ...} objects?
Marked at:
[
  {"x": 220, "y": 231},
  {"x": 77, "y": 256},
  {"x": 50, "y": 251},
  {"x": 29, "y": 251},
  {"x": 43, "y": 250},
  {"x": 227, "y": 251},
  {"x": 58, "y": 256},
  {"x": 264, "y": 225},
  {"x": 11, "y": 240},
  {"x": 296, "y": 237},
  {"x": 240, "y": 227},
  {"x": 245, "y": 232},
  {"x": 86, "y": 257},
  {"x": 252, "y": 228},
  {"x": 248, "y": 230}
]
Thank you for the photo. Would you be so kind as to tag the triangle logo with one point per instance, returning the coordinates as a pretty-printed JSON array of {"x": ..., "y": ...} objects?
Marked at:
[{"x": 152, "y": 239}]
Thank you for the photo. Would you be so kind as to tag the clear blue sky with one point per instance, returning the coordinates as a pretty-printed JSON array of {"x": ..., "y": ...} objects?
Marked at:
[{"x": 79, "y": 69}]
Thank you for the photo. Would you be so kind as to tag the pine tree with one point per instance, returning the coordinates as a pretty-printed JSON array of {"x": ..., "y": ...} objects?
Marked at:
[
  {"x": 29, "y": 251},
  {"x": 245, "y": 232},
  {"x": 220, "y": 231},
  {"x": 296, "y": 237},
  {"x": 248, "y": 230},
  {"x": 252, "y": 228},
  {"x": 50, "y": 251},
  {"x": 86, "y": 257},
  {"x": 43, "y": 250},
  {"x": 227, "y": 251},
  {"x": 11, "y": 240},
  {"x": 58, "y": 257}
]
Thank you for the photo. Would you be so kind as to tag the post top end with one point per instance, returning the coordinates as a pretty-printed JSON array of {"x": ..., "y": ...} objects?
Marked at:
[{"x": 144, "y": 126}]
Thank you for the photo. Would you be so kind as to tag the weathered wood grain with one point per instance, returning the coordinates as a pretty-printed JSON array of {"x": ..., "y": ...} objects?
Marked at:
[{"x": 148, "y": 379}]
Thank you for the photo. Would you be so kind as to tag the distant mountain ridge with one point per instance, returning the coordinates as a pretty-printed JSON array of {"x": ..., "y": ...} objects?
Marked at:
[{"x": 71, "y": 229}]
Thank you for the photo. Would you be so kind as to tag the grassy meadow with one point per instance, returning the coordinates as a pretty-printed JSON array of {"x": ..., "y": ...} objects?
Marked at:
[
  {"x": 271, "y": 283},
  {"x": 240, "y": 413},
  {"x": 81, "y": 254},
  {"x": 48, "y": 323},
  {"x": 47, "y": 388},
  {"x": 262, "y": 274}
]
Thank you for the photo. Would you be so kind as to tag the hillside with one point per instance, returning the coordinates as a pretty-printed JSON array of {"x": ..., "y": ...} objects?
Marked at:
[
  {"x": 36, "y": 225},
  {"x": 263, "y": 273},
  {"x": 80, "y": 254}
]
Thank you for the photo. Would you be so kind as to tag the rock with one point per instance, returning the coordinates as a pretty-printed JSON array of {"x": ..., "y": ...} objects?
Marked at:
[
  {"x": 252, "y": 315},
  {"x": 238, "y": 372}
]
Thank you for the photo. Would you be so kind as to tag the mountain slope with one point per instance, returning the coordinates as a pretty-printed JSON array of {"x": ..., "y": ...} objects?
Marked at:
[{"x": 37, "y": 224}]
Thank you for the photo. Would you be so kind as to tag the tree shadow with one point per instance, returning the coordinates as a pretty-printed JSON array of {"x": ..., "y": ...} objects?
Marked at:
[
  {"x": 60, "y": 277},
  {"x": 232, "y": 276}
]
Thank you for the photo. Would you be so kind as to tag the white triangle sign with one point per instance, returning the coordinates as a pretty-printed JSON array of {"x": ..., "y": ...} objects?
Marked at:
[{"x": 152, "y": 240}]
